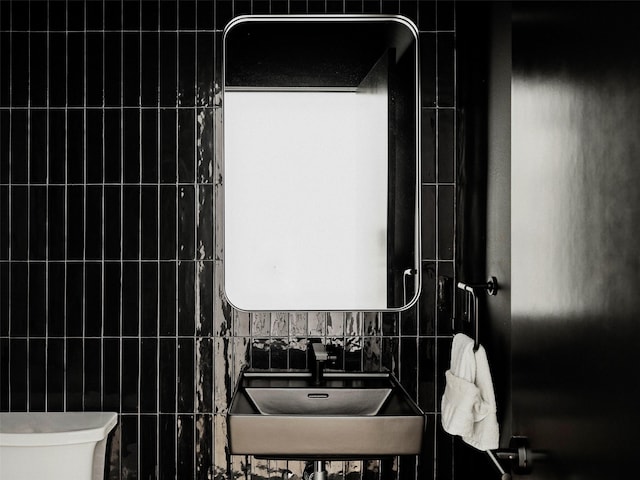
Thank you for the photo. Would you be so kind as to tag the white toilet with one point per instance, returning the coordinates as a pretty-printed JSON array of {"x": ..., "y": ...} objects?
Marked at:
[{"x": 54, "y": 445}]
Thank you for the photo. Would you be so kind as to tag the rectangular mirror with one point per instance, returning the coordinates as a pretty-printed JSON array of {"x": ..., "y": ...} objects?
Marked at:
[{"x": 321, "y": 163}]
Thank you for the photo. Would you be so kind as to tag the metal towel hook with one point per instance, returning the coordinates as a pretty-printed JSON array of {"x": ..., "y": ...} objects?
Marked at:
[{"x": 471, "y": 299}]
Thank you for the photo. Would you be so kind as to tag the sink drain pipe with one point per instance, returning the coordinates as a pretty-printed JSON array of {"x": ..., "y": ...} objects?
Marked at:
[{"x": 319, "y": 473}]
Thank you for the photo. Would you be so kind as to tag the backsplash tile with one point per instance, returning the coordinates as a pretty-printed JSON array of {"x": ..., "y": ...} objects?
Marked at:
[{"x": 111, "y": 294}]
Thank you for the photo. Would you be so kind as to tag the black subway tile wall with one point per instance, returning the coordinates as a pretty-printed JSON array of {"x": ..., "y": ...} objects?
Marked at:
[{"x": 110, "y": 270}]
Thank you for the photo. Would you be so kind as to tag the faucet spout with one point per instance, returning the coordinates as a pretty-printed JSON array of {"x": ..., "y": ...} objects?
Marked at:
[{"x": 320, "y": 357}]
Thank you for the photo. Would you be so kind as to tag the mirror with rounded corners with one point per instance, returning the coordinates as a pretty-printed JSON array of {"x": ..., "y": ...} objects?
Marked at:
[{"x": 321, "y": 163}]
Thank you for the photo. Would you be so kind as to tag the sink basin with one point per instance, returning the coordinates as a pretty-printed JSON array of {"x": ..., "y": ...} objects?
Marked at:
[{"x": 351, "y": 415}]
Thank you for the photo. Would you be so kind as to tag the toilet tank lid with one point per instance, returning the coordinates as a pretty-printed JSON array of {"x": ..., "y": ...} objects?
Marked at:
[{"x": 54, "y": 428}]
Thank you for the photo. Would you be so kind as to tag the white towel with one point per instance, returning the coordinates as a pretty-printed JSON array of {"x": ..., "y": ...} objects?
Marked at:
[{"x": 469, "y": 403}]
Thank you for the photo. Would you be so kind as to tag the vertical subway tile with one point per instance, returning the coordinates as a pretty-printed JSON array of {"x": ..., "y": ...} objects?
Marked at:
[
  {"x": 445, "y": 312},
  {"x": 5, "y": 136},
  {"x": 167, "y": 227},
  {"x": 75, "y": 69},
  {"x": 186, "y": 145},
  {"x": 93, "y": 226},
  {"x": 186, "y": 222},
  {"x": 75, "y": 222},
  {"x": 4, "y": 300},
  {"x": 390, "y": 7},
  {"x": 112, "y": 146},
  {"x": 129, "y": 444},
  {"x": 149, "y": 16},
  {"x": 130, "y": 222},
  {"x": 243, "y": 7},
  {"x": 279, "y": 324},
  {"x": 427, "y": 302},
  {"x": 205, "y": 145},
  {"x": 429, "y": 74},
  {"x": 353, "y": 324},
  {"x": 353, "y": 354},
  {"x": 204, "y": 375},
  {"x": 149, "y": 299},
  {"x": 130, "y": 69},
  {"x": 241, "y": 323},
  {"x": 167, "y": 445},
  {"x": 93, "y": 13},
  {"x": 371, "y": 323},
  {"x": 19, "y": 138},
  {"x": 131, "y": 146},
  {"x": 371, "y": 354},
  {"x": 186, "y": 374},
  {"x": 353, "y": 6},
  {"x": 19, "y": 273},
  {"x": 297, "y": 350},
  {"x": 19, "y": 68},
  {"x": 187, "y": 15},
  {"x": 94, "y": 73},
  {"x": 224, "y": 13},
  {"x": 38, "y": 146},
  {"x": 260, "y": 353},
  {"x": 443, "y": 352},
  {"x": 112, "y": 297},
  {"x": 148, "y": 375},
  {"x": 75, "y": 16},
  {"x": 317, "y": 323},
  {"x": 204, "y": 445},
  {"x": 148, "y": 446},
  {"x": 37, "y": 378},
  {"x": 18, "y": 226},
  {"x": 409, "y": 9},
  {"x": 131, "y": 370},
  {"x": 389, "y": 323},
  {"x": 112, "y": 72},
  {"x": 409, "y": 321},
  {"x": 240, "y": 354},
  {"x": 168, "y": 143},
  {"x": 5, "y": 52},
  {"x": 167, "y": 301},
  {"x": 205, "y": 275},
  {"x": 57, "y": 69},
  {"x": 206, "y": 222},
  {"x": 186, "y": 298},
  {"x": 335, "y": 324},
  {"x": 446, "y": 221},
  {"x": 112, "y": 222},
  {"x": 55, "y": 374},
  {"x": 149, "y": 58},
  {"x": 186, "y": 69},
  {"x": 56, "y": 299},
  {"x": 446, "y": 69},
  {"x": 278, "y": 355},
  {"x": 298, "y": 324},
  {"x": 426, "y": 374},
  {"x": 168, "y": 69},
  {"x": 93, "y": 299},
  {"x": 37, "y": 296},
  {"x": 443, "y": 451},
  {"x": 149, "y": 145},
  {"x": 429, "y": 225},
  {"x": 222, "y": 351},
  {"x": 94, "y": 142},
  {"x": 131, "y": 16},
  {"x": 168, "y": 14},
  {"x": 409, "y": 365},
  {"x": 205, "y": 54},
  {"x": 111, "y": 360},
  {"x": 332, "y": 6},
  {"x": 167, "y": 375},
  {"x": 446, "y": 145},
  {"x": 389, "y": 359},
  {"x": 205, "y": 15},
  {"x": 185, "y": 446},
  {"x": 92, "y": 370},
  {"x": 37, "y": 223},
  {"x": 149, "y": 222},
  {"x": 74, "y": 291},
  {"x": 37, "y": 74},
  {"x": 57, "y": 220},
  {"x": 130, "y": 299},
  {"x": 428, "y": 145},
  {"x": 74, "y": 374},
  {"x": 18, "y": 361}
]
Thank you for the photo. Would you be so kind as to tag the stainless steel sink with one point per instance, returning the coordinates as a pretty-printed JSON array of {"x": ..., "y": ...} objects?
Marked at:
[{"x": 351, "y": 415}]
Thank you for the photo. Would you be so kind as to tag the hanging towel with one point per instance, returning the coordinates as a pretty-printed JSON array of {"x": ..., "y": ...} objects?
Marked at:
[{"x": 468, "y": 403}]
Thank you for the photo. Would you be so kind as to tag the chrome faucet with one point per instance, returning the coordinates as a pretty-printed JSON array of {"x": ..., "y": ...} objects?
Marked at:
[{"x": 319, "y": 356}]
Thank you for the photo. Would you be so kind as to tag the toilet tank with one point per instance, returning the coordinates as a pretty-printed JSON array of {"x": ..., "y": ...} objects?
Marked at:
[{"x": 54, "y": 445}]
